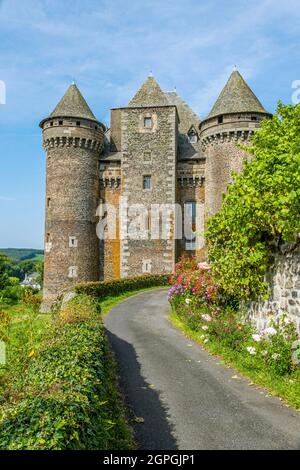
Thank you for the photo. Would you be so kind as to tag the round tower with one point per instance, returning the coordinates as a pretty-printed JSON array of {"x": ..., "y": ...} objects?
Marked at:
[
  {"x": 73, "y": 140},
  {"x": 232, "y": 120}
]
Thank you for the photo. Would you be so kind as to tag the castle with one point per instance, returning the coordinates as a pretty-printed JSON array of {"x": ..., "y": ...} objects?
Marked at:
[{"x": 156, "y": 153}]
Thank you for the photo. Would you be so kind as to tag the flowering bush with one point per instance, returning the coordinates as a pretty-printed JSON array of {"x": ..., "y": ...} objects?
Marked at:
[
  {"x": 277, "y": 345},
  {"x": 194, "y": 281},
  {"x": 199, "y": 301}
]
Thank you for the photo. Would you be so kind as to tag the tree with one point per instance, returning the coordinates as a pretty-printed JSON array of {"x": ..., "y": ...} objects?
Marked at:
[
  {"x": 4, "y": 279},
  {"x": 260, "y": 213}
]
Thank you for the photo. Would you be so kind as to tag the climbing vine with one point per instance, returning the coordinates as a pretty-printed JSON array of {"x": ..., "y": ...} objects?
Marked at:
[{"x": 260, "y": 213}]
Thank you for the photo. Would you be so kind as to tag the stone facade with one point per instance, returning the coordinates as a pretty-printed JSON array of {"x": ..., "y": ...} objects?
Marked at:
[
  {"x": 283, "y": 279},
  {"x": 156, "y": 153}
]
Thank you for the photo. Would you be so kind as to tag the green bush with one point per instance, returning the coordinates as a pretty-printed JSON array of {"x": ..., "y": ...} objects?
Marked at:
[
  {"x": 67, "y": 397},
  {"x": 111, "y": 288},
  {"x": 260, "y": 212}
]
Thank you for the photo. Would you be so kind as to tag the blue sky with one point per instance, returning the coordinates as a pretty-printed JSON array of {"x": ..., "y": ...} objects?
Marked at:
[{"x": 109, "y": 47}]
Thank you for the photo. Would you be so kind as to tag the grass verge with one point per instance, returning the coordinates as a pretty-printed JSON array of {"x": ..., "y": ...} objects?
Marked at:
[{"x": 286, "y": 387}]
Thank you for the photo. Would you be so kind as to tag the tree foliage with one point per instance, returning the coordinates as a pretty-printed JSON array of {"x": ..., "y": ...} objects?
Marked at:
[{"x": 260, "y": 213}]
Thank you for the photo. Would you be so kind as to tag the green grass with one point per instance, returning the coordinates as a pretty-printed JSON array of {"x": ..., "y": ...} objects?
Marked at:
[{"x": 286, "y": 387}]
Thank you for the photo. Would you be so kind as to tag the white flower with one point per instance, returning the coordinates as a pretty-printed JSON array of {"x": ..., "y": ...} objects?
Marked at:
[
  {"x": 264, "y": 353},
  {"x": 256, "y": 338},
  {"x": 205, "y": 327},
  {"x": 251, "y": 350},
  {"x": 206, "y": 317},
  {"x": 270, "y": 331},
  {"x": 187, "y": 301},
  {"x": 206, "y": 340},
  {"x": 275, "y": 356}
]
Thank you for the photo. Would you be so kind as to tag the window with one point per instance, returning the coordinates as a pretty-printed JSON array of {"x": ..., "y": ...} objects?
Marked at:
[
  {"x": 253, "y": 118},
  {"x": 220, "y": 119},
  {"x": 51, "y": 123},
  {"x": 77, "y": 123},
  {"x": 48, "y": 201},
  {"x": 147, "y": 182},
  {"x": 96, "y": 127},
  {"x": 148, "y": 122},
  {"x": 190, "y": 225},
  {"x": 73, "y": 242},
  {"x": 48, "y": 244},
  {"x": 60, "y": 123},
  {"x": 147, "y": 266},
  {"x": 73, "y": 272},
  {"x": 193, "y": 138}
]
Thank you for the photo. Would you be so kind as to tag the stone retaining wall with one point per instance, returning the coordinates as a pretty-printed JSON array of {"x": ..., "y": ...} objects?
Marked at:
[{"x": 284, "y": 281}]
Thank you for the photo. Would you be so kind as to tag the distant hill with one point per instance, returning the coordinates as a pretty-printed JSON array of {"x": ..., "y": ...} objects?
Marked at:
[{"x": 21, "y": 254}]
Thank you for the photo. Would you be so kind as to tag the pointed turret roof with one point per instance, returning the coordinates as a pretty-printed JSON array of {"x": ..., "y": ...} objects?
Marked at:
[
  {"x": 236, "y": 97},
  {"x": 150, "y": 94},
  {"x": 73, "y": 104}
]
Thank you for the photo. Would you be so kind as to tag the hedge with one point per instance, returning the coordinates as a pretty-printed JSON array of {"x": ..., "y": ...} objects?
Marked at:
[
  {"x": 111, "y": 288},
  {"x": 67, "y": 397}
]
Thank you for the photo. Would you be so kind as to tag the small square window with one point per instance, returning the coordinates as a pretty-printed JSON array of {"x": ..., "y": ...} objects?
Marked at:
[
  {"x": 51, "y": 123},
  {"x": 253, "y": 118},
  {"x": 60, "y": 123},
  {"x": 77, "y": 123},
  {"x": 147, "y": 182},
  {"x": 148, "y": 122},
  {"x": 73, "y": 242},
  {"x": 73, "y": 272},
  {"x": 220, "y": 119}
]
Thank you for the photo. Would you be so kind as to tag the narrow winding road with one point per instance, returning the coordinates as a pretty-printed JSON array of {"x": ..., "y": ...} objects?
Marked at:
[{"x": 188, "y": 400}]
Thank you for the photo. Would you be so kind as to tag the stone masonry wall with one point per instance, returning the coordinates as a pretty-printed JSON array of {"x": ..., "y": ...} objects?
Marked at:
[
  {"x": 284, "y": 281},
  {"x": 151, "y": 152}
]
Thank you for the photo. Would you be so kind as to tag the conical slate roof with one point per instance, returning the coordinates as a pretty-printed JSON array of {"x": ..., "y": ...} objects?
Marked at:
[
  {"x": 150, "y": 94},
  {"x": 236, "y": 97},
  {"x": 73, "y": 104}
]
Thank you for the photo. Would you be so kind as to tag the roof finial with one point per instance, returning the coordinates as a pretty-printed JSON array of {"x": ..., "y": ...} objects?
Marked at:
[
  {"x": 235, "y": 68},
  {"x": 73, "y": 81},
  {"x": 151, "y": 74},
  {"x": 175, "y": 89}
]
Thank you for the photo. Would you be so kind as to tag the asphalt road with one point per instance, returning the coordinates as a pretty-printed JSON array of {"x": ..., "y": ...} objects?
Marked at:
[{"x": 188, "y": 400}]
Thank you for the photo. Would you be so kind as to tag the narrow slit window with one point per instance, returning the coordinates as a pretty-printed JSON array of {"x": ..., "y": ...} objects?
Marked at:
[
  {"x": 48, "y": 202},
  {"x": 220, "y": 119}
]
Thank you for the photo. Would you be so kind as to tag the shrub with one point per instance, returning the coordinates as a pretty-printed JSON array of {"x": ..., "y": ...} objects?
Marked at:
[
  {"x": 67, "y": 398},
  {"x": 30, "y": 297},
  {"x": 260, "y": 212},
  {"x": 111, "y": 288},
  {"x": 78, "y": 309},
  {"x": 274, "y": 345}
]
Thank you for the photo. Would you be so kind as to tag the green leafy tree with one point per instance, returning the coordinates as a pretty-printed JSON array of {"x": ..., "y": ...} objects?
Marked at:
[
  {"x": 4, "y": 279},
  {"x": 260, "y": 213}
]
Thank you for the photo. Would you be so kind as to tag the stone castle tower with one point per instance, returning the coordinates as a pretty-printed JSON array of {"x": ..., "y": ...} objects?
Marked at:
[
  {"x": 157, "y": 153},
  {"x": 73, "y": 140}
]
